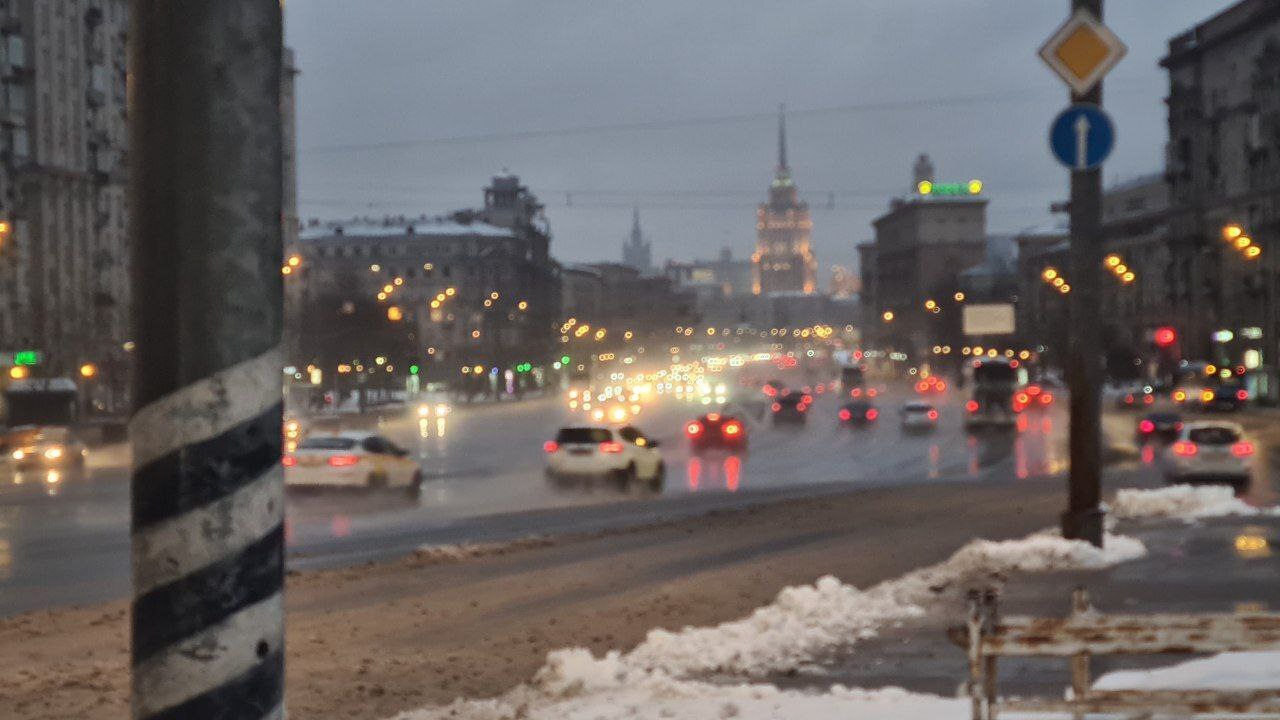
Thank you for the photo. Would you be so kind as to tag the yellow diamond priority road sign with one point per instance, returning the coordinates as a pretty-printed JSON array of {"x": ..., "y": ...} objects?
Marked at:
[{"x": 1082, "y": 51}]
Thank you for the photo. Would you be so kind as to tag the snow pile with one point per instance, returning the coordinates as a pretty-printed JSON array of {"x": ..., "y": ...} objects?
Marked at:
[
  {"x": 657, "y": 697},
  {"x": 808, "y": 622},
  {"x": 1186, "y": 502},
  {"x": 802, "y": 624},
  {"x": 1228, "y": 671}
]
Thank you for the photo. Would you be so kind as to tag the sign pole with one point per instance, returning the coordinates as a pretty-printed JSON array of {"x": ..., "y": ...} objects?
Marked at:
[
  {"x": 207, "y": 491},
  {"x": 1083, "y": 517}
]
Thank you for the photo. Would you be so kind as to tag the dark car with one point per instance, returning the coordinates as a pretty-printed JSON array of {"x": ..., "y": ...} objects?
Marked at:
[
  {"x": 791, "y": 407},
  {"x": 717, "y": 430},
  {"x": 45, "y": 447},
  {"x": 1226, "y": 397},
  {"x": 1162, "y": 427},
  {"x": 858, "y": 413}
]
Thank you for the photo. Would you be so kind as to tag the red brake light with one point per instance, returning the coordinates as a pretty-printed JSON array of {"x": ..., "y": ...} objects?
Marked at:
[
  {"x": 971, "y": 406},
  {"x": 1147, "y": 426},
  {"x": 872, "y": 414},
  {"x": 807, "y": 399},
  {"x": 856, "y": 392},
  {"x": 1185, "y": 449},
  {"x": 343, "y": 460},
  {"x": 871, "y": 392},
  {"x": 611, "y": 446},
  {"x": 1242, "y": 449},
  {"x": 845, "y": 414},
  {"x": 713, "y": 417},
  {"x": 288, "y": 461},
  {"x": 1033, "y": 390},
  {"x": 550, "y": 446},
  {"x": 1242, "y": 395},
  {"x": 1046, "y": 398},
  {"x": 1128, "y": 399},
  {"x": 695, "y": 428},
  {"x": 922, "y": 386},
  {"x": 1149, "y": 399},
  {"x": 941, "y": 385},
  {"x": 770, "y": 390},
  {"x": 1022, "y": 398},
  {"x": 933, "y": 414},
  {"x": 802, "y": 406},
  {"x": 732, "y": 428},
  {"x": 776, "y": 407}
]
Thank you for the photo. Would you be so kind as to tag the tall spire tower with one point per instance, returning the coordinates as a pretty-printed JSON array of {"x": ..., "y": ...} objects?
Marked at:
[
  {"x": 636, "y": 252},
  {"x": 783, "y": 259}
]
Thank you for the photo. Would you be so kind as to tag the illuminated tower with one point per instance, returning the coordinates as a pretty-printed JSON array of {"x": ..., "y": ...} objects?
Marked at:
[{"x": 783, "y": 258}]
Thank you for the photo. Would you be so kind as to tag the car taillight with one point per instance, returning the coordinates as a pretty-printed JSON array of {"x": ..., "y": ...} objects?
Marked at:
[
  {"x": 1179, "y": 396},
  {"x": 872, "y": 414},
  {"x": 1046, "y": 399},
  {"x": 806, "y": 399},
  {"x": 1147, "y": 426},
  {"x": 933, "y": 414},
  {"x": 1149, "y": 399},
  {"x": 1022, "y": 398},
  {"x": 713, "y": 417},
  {"x": 1242, "y": 395},
  {"x": 845, "y": 414},
  {"x": 1033, "y": 390},
  {"x": 971, "y": 406},
  {"x": 856, "y": 392},
  {"x": 343, "y": 460},
  {"x": 1177, "y": 426},
  {"x": 776, "y": 407},
  {"x": 550, "y": 446},
  {"x": 732, "y": 428},
  {"x": 693, "y": 429},
  {"x": 802, "y": 406},
  {"x": 871, "y": 392},
  {"x": 1242, "y": 449},
  {"x": 922, "y": 386},
  {"x": 942, "y": 385},
  {"x": 1185, "y": 449},
  {"x": 611, "y": 447},
  {"x": 288, "y": 461},
  {"x": 1128, "y": 399}
]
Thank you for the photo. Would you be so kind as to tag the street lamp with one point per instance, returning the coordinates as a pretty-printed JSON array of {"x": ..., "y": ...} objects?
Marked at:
[
  {"x": 887, "y": 316},
  {"x": 88, "y": 370},
  {"x": 959, "y": 297}
]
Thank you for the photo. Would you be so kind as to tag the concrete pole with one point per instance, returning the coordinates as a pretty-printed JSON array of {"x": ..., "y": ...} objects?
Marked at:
[
  {"x": 1083, "y": 517},
  {"x": 207, "y": 489}
]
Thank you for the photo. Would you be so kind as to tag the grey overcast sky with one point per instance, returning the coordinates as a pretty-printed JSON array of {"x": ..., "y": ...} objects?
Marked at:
[{"x": 447, "y": 87}]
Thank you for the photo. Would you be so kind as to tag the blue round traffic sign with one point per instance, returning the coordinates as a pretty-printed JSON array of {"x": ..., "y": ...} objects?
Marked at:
[{"x": 1082, "y": 136}]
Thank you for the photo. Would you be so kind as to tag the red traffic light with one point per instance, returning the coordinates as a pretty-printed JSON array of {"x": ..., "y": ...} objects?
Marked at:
[{"x": 1165, "y": 336}]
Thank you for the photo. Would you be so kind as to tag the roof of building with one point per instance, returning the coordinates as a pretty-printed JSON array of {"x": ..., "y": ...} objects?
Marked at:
[{"x": 369, "y": 228}]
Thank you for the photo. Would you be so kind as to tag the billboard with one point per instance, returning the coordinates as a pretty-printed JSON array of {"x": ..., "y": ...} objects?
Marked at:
[{"x": 988, "y": 319}]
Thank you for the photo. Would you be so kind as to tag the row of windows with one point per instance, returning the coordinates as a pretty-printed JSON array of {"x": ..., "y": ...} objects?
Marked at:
[{"x": 375, "y": 250}]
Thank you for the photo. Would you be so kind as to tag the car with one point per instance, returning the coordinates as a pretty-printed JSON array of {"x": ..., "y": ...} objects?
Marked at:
[
  {"x": 1135, "y": 397},
  {"x": 1031, "y": 397},
  {"x": 1226, "y": 397},
  {"x": 1162, "y": 427},
  {"x": 1210, "y": 451},
  {"x": 790, "y": 407},
  {"x": 53, "y": 447},
  {"x": 717, "y": 430},
  {"x": 931, "y": 384},
  {"x": 919, "y": 416},
  {"x": 353, "y": 460},
  {"x": 623, "y": 455},
  {"x": 858, "y": 413}
]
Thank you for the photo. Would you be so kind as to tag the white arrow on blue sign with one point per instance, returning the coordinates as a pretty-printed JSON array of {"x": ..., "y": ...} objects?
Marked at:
[{"x": 1082, "y": 137}]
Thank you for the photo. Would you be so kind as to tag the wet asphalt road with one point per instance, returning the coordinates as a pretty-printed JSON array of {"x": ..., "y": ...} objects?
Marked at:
[{"x": 64, "y": 540}]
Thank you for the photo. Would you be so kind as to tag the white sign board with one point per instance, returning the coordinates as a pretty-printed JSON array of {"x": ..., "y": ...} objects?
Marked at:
[{"x": 988, "y": 319}]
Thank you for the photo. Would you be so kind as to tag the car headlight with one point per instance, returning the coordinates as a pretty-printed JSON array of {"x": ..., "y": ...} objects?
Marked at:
[
  {"x": 53, "y": 453},
  {"x": 442, "y": 409},
  {"x": 18, "y": 454}
]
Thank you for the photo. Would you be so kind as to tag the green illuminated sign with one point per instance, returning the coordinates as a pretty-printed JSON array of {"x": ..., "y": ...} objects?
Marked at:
[
  {"x": 27, "y": 357},
  {"x": 933, "y": 189}
]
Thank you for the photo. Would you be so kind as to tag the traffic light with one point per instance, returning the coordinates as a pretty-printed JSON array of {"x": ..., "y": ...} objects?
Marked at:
[
  {"x": 1165, "y": 336},
  {"x": 564, "y": 360},
  {"x": 413, "y": 369}
]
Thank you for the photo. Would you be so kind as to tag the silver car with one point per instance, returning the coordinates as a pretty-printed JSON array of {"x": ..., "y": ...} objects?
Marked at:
[{"x": 1210, "y": 451}]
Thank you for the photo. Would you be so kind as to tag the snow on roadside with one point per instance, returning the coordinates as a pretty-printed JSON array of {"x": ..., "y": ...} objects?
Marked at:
[
  {"x": 1186, "y": 502},
  {"x": 1227, "y": 671},
  {"x": 802, "y": 624}
]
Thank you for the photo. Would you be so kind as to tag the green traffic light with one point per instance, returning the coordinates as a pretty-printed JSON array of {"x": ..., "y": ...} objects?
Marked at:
[
  {"x": 564, "y": 360},
  {"x": 413, "y": 369}
]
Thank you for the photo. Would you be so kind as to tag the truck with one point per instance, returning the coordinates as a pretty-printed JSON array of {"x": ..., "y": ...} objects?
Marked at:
[{"x": 990, "y": 404}]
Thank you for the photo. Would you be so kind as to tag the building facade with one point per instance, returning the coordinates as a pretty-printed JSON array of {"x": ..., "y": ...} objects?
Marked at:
[
  {"x": 64, "y": 269},
  {"x": 784, "y": 260},
  {"x": 477, "y": 288},
  {"x": 1223, "y": 167}
]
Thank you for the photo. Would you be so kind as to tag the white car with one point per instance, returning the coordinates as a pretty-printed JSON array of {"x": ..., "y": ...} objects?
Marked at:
[
  {"x": 351, "y": 459},
  {"x": 624, "y": 455},
  {"x": 1210, "y": 451},
  {"x": 919, "y": 416}
]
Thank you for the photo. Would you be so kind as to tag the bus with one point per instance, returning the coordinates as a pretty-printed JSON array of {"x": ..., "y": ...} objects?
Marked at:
[{"x": 990, "y": 404}]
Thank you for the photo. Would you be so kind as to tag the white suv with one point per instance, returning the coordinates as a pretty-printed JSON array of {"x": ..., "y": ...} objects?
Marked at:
[
  {"x": 624, "y": 455},
  {"x": 1210, "y": 451}
]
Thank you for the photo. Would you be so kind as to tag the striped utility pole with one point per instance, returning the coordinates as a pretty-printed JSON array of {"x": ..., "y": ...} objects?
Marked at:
[{"x": 205, "y": 204}]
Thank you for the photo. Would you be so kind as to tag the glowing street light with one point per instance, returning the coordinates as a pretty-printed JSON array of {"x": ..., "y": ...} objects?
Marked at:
[
  {"x": 1232, "y": 231},
  {"x": 88, "y": 370},
  {"x": 887, "y": 316}
]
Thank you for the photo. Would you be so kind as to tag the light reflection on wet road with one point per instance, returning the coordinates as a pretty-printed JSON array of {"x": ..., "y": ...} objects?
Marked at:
[{"x": 66, "y": 540}]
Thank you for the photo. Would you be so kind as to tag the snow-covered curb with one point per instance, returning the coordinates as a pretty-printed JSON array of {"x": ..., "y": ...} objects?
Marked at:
[
  {"x": 802, "y": 624},
  {"x": 1184, "y": 502}
]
